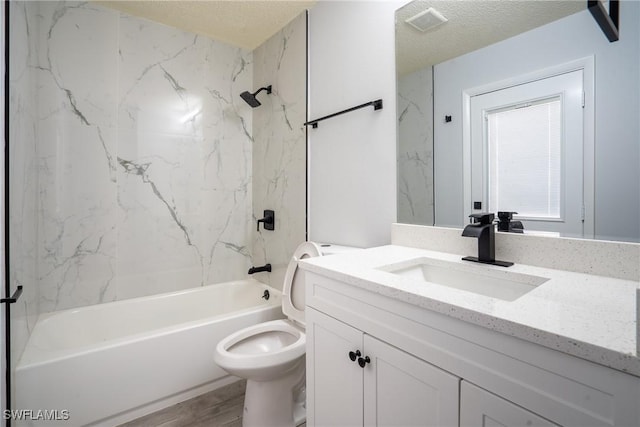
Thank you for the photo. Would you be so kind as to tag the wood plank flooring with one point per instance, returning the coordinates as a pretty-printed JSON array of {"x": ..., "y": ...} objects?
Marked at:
[{"x": 218, "y": 408}]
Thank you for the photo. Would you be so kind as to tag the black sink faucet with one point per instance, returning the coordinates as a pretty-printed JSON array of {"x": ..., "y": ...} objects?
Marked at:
[
  {"x": 484, "y": 230},
  {"x": 506, "y": 223}
]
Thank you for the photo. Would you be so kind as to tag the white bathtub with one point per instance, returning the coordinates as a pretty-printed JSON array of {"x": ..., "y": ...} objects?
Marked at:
[{"x": 109, "y": 363}]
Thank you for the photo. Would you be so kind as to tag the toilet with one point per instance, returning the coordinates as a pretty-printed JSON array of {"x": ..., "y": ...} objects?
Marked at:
[{"x": 271, "y": 356}]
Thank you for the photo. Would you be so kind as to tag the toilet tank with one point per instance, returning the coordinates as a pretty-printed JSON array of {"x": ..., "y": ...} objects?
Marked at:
[{"x": 331, "y": 249}]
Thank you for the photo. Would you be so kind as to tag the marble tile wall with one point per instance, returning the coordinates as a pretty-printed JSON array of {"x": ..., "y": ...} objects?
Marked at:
[
  {"x": 23, "y": 168},
  {"x": 77, "y": 77},
  {"x": 136, "y": 168},
  {"x": 134, "y": 171},
  {"x": 415, "y": 148},
  {"x": 279, "y": 149},
  {"x": 184, "y": 160}
]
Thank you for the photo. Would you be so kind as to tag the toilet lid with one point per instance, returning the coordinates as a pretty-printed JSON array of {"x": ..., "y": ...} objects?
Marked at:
[{"x": 293, "y": 293}]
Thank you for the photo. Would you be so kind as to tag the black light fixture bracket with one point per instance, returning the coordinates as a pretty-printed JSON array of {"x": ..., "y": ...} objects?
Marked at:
[{"x": 608, "y": 21}]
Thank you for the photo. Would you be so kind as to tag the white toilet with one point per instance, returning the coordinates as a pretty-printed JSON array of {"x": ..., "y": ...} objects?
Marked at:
[{"x": 270, "y": 356}]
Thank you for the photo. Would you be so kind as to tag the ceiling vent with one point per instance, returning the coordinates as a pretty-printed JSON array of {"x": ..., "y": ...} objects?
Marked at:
[{"x": 426, "y": 20}]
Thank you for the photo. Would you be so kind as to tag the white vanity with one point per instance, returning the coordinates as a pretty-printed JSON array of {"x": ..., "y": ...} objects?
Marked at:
[{"x": 530, "y": 346}]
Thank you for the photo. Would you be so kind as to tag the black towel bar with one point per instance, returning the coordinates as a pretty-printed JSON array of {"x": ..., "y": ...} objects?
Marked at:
[{"x": 377, "y": 105}]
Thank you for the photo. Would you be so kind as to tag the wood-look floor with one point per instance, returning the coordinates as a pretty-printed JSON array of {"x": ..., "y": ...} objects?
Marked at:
[{"x": 218, "y": 408}]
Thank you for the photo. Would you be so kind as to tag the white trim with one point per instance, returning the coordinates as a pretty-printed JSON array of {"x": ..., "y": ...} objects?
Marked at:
[
  {"x": 466, "y": 155},
  {"x": 587, "y": 65}
]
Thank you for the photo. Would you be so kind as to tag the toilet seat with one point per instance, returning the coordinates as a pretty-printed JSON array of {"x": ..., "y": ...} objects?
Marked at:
[
  {"x": 294, "y": 288},
  {"x": 250, "y": 358},
  {"x": 248, "y": 362}
]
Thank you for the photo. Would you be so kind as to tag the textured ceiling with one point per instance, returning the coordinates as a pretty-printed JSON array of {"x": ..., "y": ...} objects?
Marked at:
[
  {"x": 472, "y": 24},
  {"x": 243, "y": 23},
  {"x": 249, "y": 23}
]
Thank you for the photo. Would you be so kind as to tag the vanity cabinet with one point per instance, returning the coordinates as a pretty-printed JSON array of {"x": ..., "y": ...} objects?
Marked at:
[
  {"x": 359, "y": 380},
  {"x": 336, "y": 381},
  {"x": 426, "y": 368},
  {"x": 479, "y": 408}
]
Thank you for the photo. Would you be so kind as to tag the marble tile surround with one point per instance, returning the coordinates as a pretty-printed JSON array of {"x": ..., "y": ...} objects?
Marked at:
[
  {"x": 279, "y": 149},
  {"x": 136, "y": 165},
  {"x": 415, "y": 148},
  {"x": 23, "y": 168},
  {"x": 139, "y": 163}
]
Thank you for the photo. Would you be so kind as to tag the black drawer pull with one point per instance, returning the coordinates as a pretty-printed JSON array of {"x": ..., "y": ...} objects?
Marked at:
[
  {"x": 363, "y": 361},
  {"x": 353, "y": 356}
]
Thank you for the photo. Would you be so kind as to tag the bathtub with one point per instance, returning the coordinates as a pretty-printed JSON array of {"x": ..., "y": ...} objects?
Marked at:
[{"x": 110, "y": 363}]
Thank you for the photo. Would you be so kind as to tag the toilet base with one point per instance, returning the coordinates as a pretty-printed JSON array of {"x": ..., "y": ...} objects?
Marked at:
[{"x": 276, "y": 403}]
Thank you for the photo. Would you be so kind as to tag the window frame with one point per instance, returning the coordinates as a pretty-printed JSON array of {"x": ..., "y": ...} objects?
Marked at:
[
  {"x": 587, "y": 66},
  {"x": 488, "y": 157}
]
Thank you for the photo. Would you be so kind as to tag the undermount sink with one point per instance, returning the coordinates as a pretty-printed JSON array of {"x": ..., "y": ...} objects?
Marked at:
[{"x": 504, "y": 285}]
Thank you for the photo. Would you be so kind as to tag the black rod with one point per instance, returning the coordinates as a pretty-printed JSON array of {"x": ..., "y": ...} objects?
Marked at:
[
  {"x": 7, "y": 284},
  {"x": 377, "y": 105},
  {"x": 306, "y": 130}
]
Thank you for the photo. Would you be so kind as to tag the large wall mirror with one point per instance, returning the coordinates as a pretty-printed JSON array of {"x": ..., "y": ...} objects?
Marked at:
[{"x": 521, "y": 106}]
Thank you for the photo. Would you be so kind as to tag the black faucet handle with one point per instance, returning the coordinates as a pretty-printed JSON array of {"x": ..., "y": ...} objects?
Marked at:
[
  {"x": 269, "y": 220},
  {"x": 482, "y": 218},
  {"x": 506, "y": 215}
]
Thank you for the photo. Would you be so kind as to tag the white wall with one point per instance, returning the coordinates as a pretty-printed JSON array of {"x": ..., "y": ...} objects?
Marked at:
[
  {"x": 352, "y": 171},
  {"x": 617, "y": 133}
]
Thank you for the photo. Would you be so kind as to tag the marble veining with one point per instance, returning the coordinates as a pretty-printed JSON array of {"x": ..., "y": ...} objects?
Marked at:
[
  {"x": 279, "y": 148},
  {"x": 415, "y": 148},
  {"x": 136, "y": 167},
  {"x": 185, "y": 156},
  {"x": 134, "y": 161},
  {"x": 23, "y": 167}
]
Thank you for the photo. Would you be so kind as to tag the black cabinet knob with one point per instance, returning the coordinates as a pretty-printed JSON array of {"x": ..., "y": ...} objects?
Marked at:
[
  {"x": 363, "y": 361},
  {"x": 354, "y": 355}
]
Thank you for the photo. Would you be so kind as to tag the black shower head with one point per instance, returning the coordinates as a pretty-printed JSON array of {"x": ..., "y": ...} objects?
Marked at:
[{"x": 250, "y": 98}]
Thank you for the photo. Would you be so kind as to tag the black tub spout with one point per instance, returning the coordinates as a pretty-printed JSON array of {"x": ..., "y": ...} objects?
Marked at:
[{"x": 266, "y": 267}]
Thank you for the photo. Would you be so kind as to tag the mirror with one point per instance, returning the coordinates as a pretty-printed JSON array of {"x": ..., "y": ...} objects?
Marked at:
[{"x": 444, "y": 157}]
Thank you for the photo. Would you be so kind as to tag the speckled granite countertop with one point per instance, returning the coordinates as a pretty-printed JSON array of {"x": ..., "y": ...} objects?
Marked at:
[{"x": 588, "y": 316}]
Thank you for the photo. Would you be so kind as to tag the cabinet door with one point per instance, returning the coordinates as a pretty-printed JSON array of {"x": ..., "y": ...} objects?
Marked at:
[
  {"x": 479, "y": 407},
  {"x": 334, "y": 382},
  {"x": 402, "y": 390}
]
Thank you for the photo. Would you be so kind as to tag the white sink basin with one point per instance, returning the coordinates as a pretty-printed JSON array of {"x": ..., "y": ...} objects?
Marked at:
[{"x": 501, "y": 284}]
